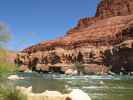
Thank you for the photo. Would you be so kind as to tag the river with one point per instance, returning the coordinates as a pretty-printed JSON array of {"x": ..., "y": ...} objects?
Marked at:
[{"x": 98, "y": 87}]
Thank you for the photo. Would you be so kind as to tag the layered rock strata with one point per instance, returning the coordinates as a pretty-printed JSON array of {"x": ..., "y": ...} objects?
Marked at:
[{"x": 101, "y": 42}]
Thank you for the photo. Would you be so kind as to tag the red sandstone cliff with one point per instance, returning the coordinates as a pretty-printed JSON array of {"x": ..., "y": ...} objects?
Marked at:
[
  {"x": 110, "y": 8},
  {"x": 94, "y": 41},
  {"x": 106, "y": 9}
]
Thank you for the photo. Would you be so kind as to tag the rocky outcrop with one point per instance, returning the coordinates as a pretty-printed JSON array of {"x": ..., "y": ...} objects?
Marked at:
[
  {"x": 120, "y": 57},
  {"x": 110, "y": 8},
  {"x": 75, "y": 94},
  {"x": 96, "y": 42},
  {"x": 78, "y": 94},
  {"x": 106, "y": 9}
]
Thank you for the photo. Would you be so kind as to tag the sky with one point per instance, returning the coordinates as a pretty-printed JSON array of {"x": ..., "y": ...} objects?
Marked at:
[{"x": 33, "y": 21}]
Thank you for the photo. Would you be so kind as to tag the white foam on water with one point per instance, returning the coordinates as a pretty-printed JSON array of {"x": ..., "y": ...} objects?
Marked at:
[{"x": 93, "y": 87}]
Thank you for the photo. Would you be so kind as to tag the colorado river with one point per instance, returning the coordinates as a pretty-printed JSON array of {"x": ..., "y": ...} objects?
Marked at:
[{"x": 97, "y": 87}]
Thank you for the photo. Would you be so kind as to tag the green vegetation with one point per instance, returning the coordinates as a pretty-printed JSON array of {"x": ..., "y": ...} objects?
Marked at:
[
  {"x": 79, "y": 67},
  {"x": 8, "y": 92},
  {"x": 7, "y": 68},
  {"x": 109, "y": 1},
  {"x": 11, "y": 94},
  {"x": 4, "y": 37}
]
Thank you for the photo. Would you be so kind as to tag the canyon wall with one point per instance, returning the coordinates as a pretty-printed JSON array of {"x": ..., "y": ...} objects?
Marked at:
[{"x": 100, "y": 43}]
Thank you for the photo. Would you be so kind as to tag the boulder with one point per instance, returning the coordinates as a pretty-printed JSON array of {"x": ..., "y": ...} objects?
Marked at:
[
  {"x": 78, "y": 94},
  {"x": 71, "y": 72},
  {"x": 15, "y": 77}
]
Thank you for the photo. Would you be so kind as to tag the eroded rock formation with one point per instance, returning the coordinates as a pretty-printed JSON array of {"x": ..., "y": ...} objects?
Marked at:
[{"x": 99, "y": 42}]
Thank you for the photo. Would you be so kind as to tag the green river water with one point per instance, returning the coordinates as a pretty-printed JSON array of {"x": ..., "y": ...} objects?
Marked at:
[{"x": 97, "y": 87}]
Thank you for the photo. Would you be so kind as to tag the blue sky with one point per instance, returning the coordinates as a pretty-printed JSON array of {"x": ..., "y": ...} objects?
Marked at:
[{"x": 33, "y": 21}]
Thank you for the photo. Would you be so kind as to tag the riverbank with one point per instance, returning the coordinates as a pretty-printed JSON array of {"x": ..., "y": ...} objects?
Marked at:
[
  {"x": 105, "y": 87},
  {"x": 75, "y": 94},
  {"x": 8, "y": 91},
  {"x": 7, "y": 67}
]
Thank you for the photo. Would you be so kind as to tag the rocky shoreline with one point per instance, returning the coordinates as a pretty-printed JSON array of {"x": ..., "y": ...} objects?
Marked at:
[{"x": 75, "y": 94}]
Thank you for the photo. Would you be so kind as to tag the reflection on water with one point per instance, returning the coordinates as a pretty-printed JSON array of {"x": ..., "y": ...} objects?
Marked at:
[{"x": 97, "y": 87}]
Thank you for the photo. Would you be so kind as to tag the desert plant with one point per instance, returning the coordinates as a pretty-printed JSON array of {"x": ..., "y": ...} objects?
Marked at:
[
  {"x": 109, "y": 1},
  {"x": 8, "y": 92},
  {"x": 5, "y": 36},
  {"x": 12, "y": 95},
  {"x": 79, "y": 67},
  {"x": 7, "y": 68}
]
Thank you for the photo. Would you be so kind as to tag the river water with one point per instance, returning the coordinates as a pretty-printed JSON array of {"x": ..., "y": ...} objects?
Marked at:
[{"x": 97, "y": 87}]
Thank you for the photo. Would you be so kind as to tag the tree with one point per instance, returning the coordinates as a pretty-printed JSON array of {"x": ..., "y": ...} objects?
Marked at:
[
  {"x": 4, "y": 38},
  {"x": 79, "y": 67},
  {"x": 80, "y": 57},
  {"x": 5, "y": 35}
]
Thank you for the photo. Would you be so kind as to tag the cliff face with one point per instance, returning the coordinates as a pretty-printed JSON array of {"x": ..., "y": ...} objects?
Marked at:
[
  {"x": 98, "y": 42},
  {"x": 106, "y": 9},
  {"x": 110, "y": 8}
]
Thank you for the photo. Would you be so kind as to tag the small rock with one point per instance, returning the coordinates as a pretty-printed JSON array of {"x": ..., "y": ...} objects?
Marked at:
[
  {"x": 101, "y": 82},
  {"x": 71, "y": 72}
]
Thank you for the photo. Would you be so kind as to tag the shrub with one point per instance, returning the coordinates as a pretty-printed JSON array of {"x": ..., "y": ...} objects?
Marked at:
[
  {"x": 79, "y": 67},
  {"x": 5, "y": 65},
  {"x": 8, "y": 92},
  {"x": 7, "y": 68}
]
